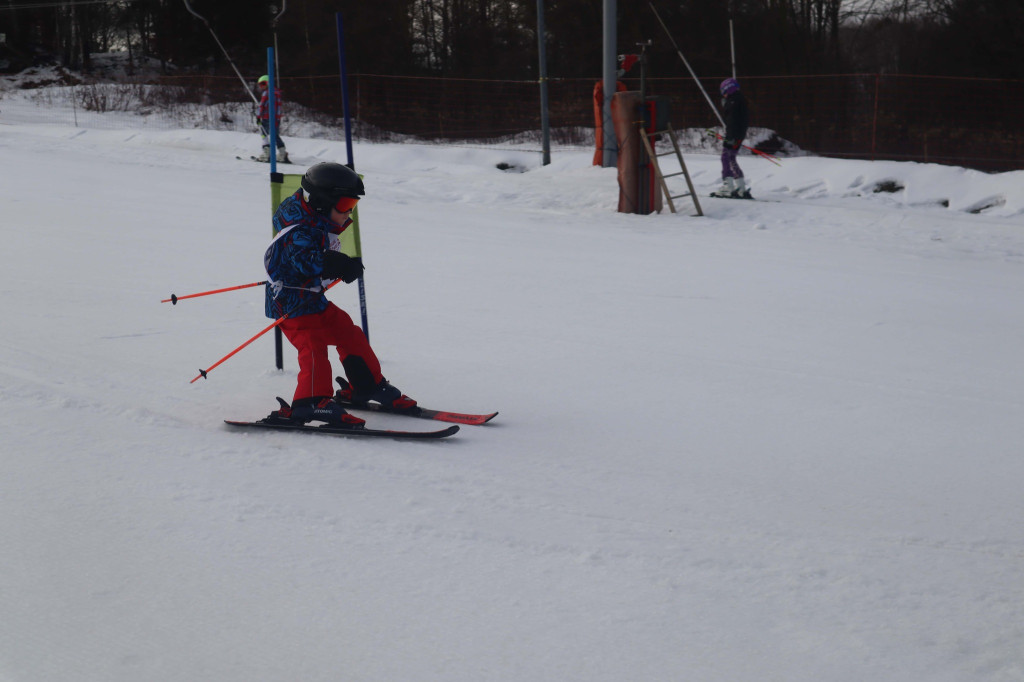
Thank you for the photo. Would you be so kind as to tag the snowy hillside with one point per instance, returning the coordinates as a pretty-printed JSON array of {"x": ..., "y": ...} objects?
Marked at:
[{"x": 780, "y": 442}]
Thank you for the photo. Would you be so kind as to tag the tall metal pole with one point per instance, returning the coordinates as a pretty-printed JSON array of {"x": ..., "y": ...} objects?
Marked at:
[
  {"x": 610, "y": 153},
  {"x": 543, "y": 73},
  {"x": 343, "y": 73},
  {"x": 732, "y": 49},
  {"x": 644, "y": 204},
  {"x": 238, "y": 73},
  {"x": 272, "y": 101},
  {"x": 688, "y": 67},
  {"x": 273, "y": 25},
  {"x": 275, "y": 177}
]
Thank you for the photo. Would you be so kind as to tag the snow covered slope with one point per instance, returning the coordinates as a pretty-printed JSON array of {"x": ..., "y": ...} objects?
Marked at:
[{"x": 781, "y": 442}]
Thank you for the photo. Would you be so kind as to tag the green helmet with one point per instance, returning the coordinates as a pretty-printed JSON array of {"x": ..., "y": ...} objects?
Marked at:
[{"x": 264, "y": 80}]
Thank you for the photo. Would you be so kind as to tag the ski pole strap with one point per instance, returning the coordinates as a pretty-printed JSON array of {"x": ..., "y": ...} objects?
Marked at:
[{"x": 277, "y": 286}]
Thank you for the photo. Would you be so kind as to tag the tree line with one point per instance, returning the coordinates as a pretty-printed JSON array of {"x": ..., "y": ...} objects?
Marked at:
[{"x": 496, "y": 39}]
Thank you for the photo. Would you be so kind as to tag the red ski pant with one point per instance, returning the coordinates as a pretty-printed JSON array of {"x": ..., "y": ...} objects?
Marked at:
[{"x": 312, "y": 334}]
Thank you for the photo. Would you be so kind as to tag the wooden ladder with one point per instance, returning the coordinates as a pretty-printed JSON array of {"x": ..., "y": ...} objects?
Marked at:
[{"x": 646, "y": 137}]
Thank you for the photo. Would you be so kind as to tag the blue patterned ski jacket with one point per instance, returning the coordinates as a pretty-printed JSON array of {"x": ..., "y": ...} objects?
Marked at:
[{"x": 295, "y": 259}]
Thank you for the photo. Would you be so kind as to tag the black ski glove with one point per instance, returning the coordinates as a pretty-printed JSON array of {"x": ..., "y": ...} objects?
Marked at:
[{"x": 339, "y": 266}]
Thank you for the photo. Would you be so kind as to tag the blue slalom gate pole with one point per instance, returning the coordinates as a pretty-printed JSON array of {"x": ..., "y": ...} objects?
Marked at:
[
  {"x": 340, "y": 26},
  {"x": 272, "y": 100}
]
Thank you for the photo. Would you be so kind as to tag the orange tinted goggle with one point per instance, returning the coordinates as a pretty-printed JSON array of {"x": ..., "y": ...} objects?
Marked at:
[{"x": 346, "y": 204}]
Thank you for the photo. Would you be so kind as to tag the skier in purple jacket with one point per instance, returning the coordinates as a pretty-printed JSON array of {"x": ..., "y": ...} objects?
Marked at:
[{"x": 737, "y": 117}]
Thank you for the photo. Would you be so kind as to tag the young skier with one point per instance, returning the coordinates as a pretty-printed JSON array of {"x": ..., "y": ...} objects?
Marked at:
[
  {"x": 300, "y": 262},
  {"x": 263, "y": 118},
  {"x": 736, "y": 115}
]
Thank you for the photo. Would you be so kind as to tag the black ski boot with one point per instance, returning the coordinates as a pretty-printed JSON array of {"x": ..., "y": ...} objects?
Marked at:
[
  {"x": 361, "y": 387},
  {"x": 316, "y": 408},
  {"x": 383, "y": 393}
]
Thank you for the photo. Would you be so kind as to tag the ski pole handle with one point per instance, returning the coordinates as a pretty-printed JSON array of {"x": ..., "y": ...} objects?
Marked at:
[{"x": 174, "y": 299}]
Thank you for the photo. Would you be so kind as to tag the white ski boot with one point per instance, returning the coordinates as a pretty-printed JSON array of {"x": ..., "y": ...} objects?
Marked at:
[
  {"x": 726, "y": 191},
  {"x": 741, "y": 191}
]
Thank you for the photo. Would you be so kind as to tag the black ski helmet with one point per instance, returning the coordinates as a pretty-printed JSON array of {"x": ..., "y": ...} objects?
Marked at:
[{"x": 325, "y": 183}]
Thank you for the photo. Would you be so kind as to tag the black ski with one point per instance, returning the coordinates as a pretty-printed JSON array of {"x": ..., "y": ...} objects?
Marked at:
[
  {"x": 259, "y": 160},
  {"x": 729, "y": 196},
  {"x": 359, "y": 432}
]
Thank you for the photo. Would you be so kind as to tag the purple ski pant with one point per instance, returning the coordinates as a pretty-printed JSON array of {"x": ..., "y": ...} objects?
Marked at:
[{"x": 730, "y": 168}]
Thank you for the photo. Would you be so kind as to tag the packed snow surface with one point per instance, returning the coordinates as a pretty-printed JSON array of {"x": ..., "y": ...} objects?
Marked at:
[{"x": 783, "y": 441}]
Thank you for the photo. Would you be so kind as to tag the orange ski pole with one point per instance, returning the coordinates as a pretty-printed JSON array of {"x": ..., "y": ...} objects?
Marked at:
[
  {"x": 174, "y": 299},
  {"x": 203, "y": 372}
]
